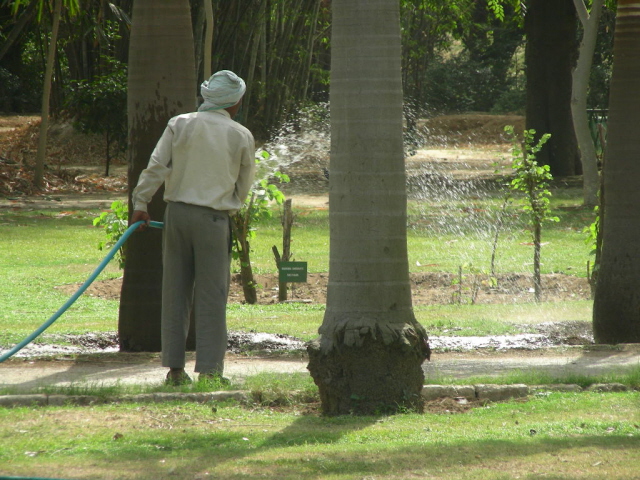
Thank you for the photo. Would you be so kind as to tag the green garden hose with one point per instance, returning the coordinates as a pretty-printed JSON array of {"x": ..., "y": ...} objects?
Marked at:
[{"x": 80, "y": 290}]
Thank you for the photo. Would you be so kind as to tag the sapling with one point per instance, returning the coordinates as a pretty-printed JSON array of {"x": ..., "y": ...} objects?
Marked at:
[
  {"x": 115, "y": 222},
  {"x": 594, "y": 239},
  {"x": 532, "y": 180},
  {"x": 243, "y": 225}
]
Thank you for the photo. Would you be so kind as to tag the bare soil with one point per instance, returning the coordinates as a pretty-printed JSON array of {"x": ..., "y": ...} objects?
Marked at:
[{"x": 427, "y": 289}]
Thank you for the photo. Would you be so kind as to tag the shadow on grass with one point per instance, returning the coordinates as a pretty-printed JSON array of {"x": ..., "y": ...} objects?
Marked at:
[{"x": 312, "y": 447}]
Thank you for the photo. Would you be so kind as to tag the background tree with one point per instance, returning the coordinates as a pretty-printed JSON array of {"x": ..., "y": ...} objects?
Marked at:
[
  {"x": 161, "y": 84},
  {"x": 616, "y": 308},
  {"x": 371, "y": 348},
  {"x": 579, "y": 93},
  {"x": 550, "y": 55},
  {"x": 72, "y": 6}
]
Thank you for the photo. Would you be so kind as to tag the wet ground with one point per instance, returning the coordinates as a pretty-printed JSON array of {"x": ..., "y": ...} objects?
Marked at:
[
  {"x": 472, "y": 357},
  {"x": 550, "y": 334}
]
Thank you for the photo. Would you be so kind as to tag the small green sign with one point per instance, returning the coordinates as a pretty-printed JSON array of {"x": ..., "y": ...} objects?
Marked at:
[{"x": 293, "y": 272}]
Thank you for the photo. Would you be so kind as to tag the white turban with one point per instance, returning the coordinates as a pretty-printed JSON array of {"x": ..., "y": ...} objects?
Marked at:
[{"x": 223, "y": 90}]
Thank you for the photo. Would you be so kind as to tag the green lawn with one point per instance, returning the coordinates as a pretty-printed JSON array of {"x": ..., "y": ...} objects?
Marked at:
[
  {"x": 558, "y": 436},
  {"x": 42, "y": 250}
]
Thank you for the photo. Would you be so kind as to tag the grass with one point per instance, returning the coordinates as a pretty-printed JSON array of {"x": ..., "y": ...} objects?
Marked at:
[
  {"x": 501, "y": 319},
  {"x": 558, "y": 435},
  {"x": 42, "y": 250}
]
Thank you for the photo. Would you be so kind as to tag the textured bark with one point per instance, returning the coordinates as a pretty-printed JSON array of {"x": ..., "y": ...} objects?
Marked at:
[
  {"x": 369, "y": 334},
  {"x": 550, "y": 55},
  {"x": 160, "y": 85},
  {"x": 616, "y": 309},
  {"x": 371, "y": 377}
]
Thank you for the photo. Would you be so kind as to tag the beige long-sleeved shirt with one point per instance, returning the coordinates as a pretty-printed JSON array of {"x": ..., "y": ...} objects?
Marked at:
[{"x": 204, "y": 158}]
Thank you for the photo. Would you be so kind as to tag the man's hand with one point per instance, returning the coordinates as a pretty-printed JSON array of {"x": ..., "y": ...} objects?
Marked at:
[{"x": 139, "y": 215}]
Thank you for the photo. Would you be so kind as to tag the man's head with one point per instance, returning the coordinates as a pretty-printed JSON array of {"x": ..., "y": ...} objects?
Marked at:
[{"x": 224, "y": 90}]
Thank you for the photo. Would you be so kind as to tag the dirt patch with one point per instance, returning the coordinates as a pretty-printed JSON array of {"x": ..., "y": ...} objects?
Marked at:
[
  {"x": 65, "y": 147},
  {"x": 427, "y": 289},
  {"x": 448, "y": 140},
  {"x": 468, "y": 129}
]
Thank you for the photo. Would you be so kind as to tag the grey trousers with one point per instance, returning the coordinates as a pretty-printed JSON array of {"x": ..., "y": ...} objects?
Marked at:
[{"x": 196, "y": 269}]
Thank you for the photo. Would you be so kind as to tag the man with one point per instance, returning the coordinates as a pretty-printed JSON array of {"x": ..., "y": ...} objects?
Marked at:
[{"x": 206, "y": 161}]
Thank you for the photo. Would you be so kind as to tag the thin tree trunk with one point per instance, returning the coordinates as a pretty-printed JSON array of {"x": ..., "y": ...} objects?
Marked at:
[
  {"x": 537, "y": 245},
  {"x": 208, "y": 38},
  {"x": 579, "y": 100},
  {"x": 287, "y": 222},
  {"x": 257, "y": 38},
  {"x": 312, "y": 33},
  {"x": 38, "y": 176}
]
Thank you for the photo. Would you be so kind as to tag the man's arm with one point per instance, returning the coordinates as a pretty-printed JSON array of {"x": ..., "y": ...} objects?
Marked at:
[
  {"x": 151, "y": 178},
  {"x": 247, "y": 170}
]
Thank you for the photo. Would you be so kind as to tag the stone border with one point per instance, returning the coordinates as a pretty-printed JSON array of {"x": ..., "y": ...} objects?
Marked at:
[
  {"x": 43, "y": 400},
  {"x": 496, "y": 393},
  {"x": 481, "y": 392}
]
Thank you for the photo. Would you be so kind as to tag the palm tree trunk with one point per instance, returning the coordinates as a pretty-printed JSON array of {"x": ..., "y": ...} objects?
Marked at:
[
  {"x": 161, "y": 84},
  {"x": 616, "y": 308},
  {"x": 370, "y": 351}
]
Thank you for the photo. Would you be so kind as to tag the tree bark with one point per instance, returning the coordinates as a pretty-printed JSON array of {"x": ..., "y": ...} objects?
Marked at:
[
  {"x": 616, "y": 308},
  {"x": 287, "y": 223},
  {"x": 550, "y": 54},
  {"x": 38, "y": 175},
  {"x": 581, "y": 73},
  {"x": 160, "y": 85},
  {"x": 208, "y": 39},
  {"x": 369, "y": 355}
]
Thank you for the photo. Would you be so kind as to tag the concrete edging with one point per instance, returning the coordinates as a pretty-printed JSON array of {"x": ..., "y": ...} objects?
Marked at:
[
  {"x": 43, "y": 400},
  {"x": 496, "y": 393},
  {"x": 482, "y": 392}
]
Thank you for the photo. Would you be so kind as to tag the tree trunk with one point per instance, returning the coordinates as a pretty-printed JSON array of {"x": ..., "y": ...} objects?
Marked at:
[
  {"x": 616, "y": 308},
  {"x": 160, "y": 85},
  {"x": 208, "y": 39},
  {"x": 369, "y": 355},
  {"x": 240, "y": 226},
  {"x": 581, "y": 73},
  {"x": 38, "y": 176},
  {"x": 550, "y": 54},
  {"x": 537, "y": 247}
]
